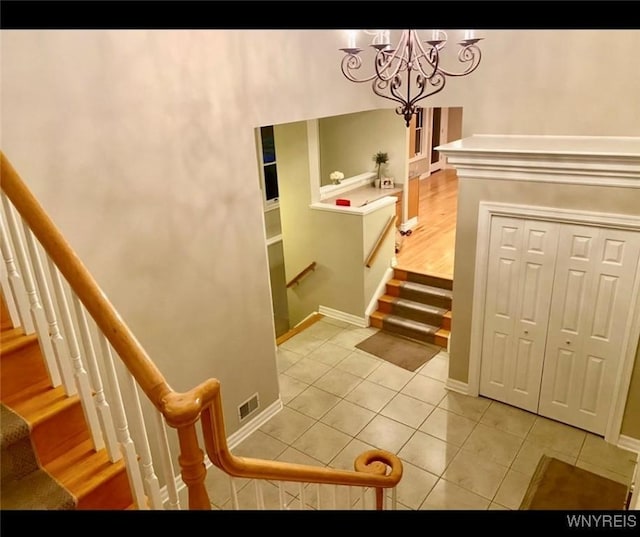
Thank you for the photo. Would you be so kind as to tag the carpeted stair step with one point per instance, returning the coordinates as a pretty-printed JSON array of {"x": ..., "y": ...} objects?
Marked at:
[
  {"x": 425, "y": 279},
  {"x": 411, "y": 329},
  {"x": 25, "y": 484},
  {"x": 418, "y": 292},
  {"x": 410, "y": 309}
]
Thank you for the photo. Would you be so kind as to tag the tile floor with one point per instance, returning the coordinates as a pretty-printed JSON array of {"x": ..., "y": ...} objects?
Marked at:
[{"x": 458, "y": 452}]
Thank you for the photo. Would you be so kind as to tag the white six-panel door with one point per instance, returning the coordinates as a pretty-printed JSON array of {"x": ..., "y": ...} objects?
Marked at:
[
  {"x": 521, "y": 267},
  {"x": 595, "y": 272},
  {"x": 557, "y": 300}
]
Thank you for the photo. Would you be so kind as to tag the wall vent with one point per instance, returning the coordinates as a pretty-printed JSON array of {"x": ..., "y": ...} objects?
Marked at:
[{"x": 249, "y": 406}]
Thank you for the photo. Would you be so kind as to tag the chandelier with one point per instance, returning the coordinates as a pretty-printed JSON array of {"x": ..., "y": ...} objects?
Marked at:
[{"x": 418, "y": 61}]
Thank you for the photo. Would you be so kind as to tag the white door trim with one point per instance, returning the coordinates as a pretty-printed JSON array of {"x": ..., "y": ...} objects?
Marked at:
[{"x": 486, "y": 210}]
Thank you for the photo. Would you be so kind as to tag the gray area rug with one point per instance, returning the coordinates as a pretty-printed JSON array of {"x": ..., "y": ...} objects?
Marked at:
[
  {"x": 25, "y": 485},
  {"x": 403, "y": 352}
]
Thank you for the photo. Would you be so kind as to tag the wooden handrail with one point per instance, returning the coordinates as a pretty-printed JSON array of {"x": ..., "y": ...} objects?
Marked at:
[
  {"x": 376, "y": 468},
  {"x": 378, "y": 244},
  {"x": 182, "y": 409},
  {"x": 302, "y": 274}
]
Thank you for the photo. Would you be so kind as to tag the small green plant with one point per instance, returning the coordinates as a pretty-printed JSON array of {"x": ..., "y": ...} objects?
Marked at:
[{"x": 380, "y": 158}]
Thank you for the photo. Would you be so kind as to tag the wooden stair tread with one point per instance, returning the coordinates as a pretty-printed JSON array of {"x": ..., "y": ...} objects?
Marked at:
[
  {"x": 27, "y": 393},
  {"x": 41, "y": 406},
  {"x": 82, "y": 469},
  {"x": 14, "y": 339}
]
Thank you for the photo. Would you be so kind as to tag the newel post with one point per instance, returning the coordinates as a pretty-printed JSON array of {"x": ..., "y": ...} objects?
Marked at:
[{"x": 193, "y": 469}]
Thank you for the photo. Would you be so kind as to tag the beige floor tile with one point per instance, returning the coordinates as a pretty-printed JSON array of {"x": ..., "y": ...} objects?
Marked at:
[
  {"x": 428, "y": 453},
  {"x": 414, "y": 486},
  {"x": 348, "y": 417},
  {"x": 287, "y": 425},
  {"x": 385, "y": 433},
  {"x": 437, "y": 368},
  {"x": 465, "y": 405},
  {"x": 604, "y": 472},
  {"x": 508, "y": 419},
  {"x": 329, "y": 354},
  {"x": 321, "y": 442},
  {"x": 337, "y": 382},
  {"x": 608, "y": 456},
  {"x": 260, "y": 445},
  {"x": 370, "y": 395},
  {"x": 497, "y": 507},
  {"x": 359, "y": 364},
  {"x": 323, "y": 330},
  {"x": 407, "y": 410},
  {"x": 286, "y": 358},
  {"x": 302, "y": 343},
  {"x": 512, "y": 489},
  {"x": 528, "y": 457},
  {"x": 350, "y": 337},
  {"x": 478, "y": 475},
  {"x": 314, "y": 402},
  {"x": 249, "y": 497},
  {"x": 346, "y": 458},
  {"x": 335, "y": 322},
  {"x": 296, "y": 457},
  {"x": 489, "y": 443},
  {"x": 557, "y": 436},
  {"x": 306, "y": 370},
  {"x": 218, "y": 485},
  {"x": 290, "y": 387},
  {"x": 449, "y": 496},
  {"x": 448, "y": 426},
  {"x": 426, "y": 389},
  {"x": 390, "y": 376}
]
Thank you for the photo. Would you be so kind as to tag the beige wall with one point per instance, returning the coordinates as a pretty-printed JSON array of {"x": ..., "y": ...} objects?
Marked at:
[
  {"x": 140, "y": 144},
  {"x": 631, "y": 422},
  {"x": 348, "y": 143},
  {"x": 470, "y": 193}
]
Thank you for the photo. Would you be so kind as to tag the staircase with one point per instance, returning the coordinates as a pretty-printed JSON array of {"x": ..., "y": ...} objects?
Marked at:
[
  {"x": 59, "y": 433},
  {"x": 416, "y": 306}
]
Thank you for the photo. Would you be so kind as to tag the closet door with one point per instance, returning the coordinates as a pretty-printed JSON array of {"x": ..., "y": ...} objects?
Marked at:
[
  {"x": 518, "y": 297},
  {"x": 595, "y": 272}
]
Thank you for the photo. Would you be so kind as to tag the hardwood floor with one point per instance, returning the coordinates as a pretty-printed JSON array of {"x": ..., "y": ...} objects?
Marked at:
[{"x": 430, "y": 247}]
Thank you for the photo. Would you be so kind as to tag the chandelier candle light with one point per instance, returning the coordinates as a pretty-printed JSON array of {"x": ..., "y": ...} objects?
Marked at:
[{"x": 411, "y": 56}]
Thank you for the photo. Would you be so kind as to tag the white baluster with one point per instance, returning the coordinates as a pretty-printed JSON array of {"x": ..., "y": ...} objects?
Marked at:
[
  {"x": 334, "y": 495},
  {"x": 102, "y": 406},
  {"x": 394, "y": 498},
  {"x": 167, "y": 465},
  {"x": 234, "y": 494},
  {"x": 80, "y": 374},
  {"x": 18, "y": 296},
  {"x": 318, "y": 493},
  {"x": 363, "y": 498},
  {"x": 283, "y": 504},
  {"x": 47, "y": 340},
  {"x": 259, "y": 494},
  {"x": 350, "y": 497},
  {"x": 122, "y": 428},
  {"x": 303, "y": 501},
  {"x": 137, "y": 421}
]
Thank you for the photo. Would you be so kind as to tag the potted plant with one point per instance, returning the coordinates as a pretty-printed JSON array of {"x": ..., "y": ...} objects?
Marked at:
[{"x": 380, "y": 158}]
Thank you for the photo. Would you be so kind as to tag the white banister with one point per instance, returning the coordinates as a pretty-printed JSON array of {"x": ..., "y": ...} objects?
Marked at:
[
  {"x": 283, "y": 503},
  {"x": 259, "y": 493},
  {"x": 35, "y": 306},
  {"x": 303, "y": 501},
  {"x": 144, "y": 452},
  {"x": 122, "y": 428},
  {"x": 165, "y": 461},
  {"x": 334, "y": 496},
  {"x": 234, "y": 494},
  {"x": 79, "y": 372},
  {"x": 16, "y": 285},
  {"x": 102, "y": 406}
]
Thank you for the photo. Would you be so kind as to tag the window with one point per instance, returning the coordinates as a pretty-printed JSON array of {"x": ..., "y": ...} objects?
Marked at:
[
  {"x": 269, "y": 167},
  {"x": 419, "y": 132}
]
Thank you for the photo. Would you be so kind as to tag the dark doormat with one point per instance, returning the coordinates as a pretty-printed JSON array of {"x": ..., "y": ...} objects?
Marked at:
[
  {"x": 557, "y": 485},
  {"x": 398, "y": 350}
]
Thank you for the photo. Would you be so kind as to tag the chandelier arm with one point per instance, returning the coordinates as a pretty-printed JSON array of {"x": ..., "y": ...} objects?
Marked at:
[{"x": 469, "y": 54}]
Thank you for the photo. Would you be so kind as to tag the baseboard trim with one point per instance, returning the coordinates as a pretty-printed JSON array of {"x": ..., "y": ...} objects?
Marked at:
[
  {"x": 457, "y": 386},
  {"x": 409, "y": 224},
  {"x": 630, "y": 443},
  {"x": 342, "y": 316},
  {"x": 232, "y": 441}
]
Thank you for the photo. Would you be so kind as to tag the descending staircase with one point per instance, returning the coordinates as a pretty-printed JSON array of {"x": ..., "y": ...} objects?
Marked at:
[
  {"x": 416, "y": 306},
  {"x": 59, "y": 433}
]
